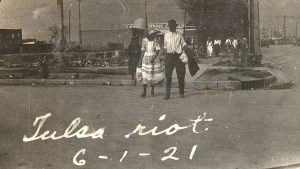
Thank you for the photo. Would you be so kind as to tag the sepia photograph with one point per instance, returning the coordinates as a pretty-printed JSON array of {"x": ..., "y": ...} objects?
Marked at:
[{"x": 149, "y": 84}]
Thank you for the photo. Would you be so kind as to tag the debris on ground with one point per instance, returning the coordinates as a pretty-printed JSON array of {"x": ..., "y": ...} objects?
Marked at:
[
  {"x": 257, "y": 74},
  {"x": 76, "y": 76},
  {"x": 233, "y": 79},
  {"x": 224, "y": 63},
  {"x": 229, "y": 88},
  {"x": 282, "y": 85},
  {"x": 106, "y": 83}
]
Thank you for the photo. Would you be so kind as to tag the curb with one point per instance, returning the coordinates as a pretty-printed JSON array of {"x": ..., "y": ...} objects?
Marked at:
[
  {"x": 234, "y": 85},
  {"x": 97, "y": 70},
  {"x": 79, "y": 82},
  {"x": 73, "y": 82},
  {"x": 218, "y": 85},
  {"x": 200, "y": 85},
  {"x": 192, "y": 84},
  {"x": 237, "y": 84}
]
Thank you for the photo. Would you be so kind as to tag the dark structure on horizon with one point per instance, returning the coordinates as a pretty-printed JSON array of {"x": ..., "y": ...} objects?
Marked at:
[
  {"x": 225, "y": 18},
  {"x": 10, "y": 40}
]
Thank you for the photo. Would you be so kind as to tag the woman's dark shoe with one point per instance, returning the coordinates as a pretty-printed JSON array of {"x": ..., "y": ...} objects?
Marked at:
[
  {"x": 152, "y": 93},
  {"x": 166, "y": 97},
  {"x": 143, "y": 94},
  {"x": 133, "y": 82},
  {"x": 144, "y": 91}
]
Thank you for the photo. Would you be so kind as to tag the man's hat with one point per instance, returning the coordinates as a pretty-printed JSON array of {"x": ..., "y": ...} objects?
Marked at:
[{"x": 172, "y": 23}]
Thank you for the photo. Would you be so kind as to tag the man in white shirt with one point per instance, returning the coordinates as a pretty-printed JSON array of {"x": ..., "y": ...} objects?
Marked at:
[
  {"x": 228, "y": 44},
  {"x": 174, "y": 44}
]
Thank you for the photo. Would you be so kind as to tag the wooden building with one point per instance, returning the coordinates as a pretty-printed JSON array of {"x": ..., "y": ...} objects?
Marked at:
[{"x": 10, "y": 40}]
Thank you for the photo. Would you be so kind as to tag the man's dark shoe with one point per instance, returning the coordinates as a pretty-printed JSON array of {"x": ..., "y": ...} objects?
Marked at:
[
  {"x": 152, "y": 93},
  {"x": 133, "y": 82},
  {"x": 166, "y": 97},
  {"x": 181, "y": 96},
  {"x": 143, "y": 95}
]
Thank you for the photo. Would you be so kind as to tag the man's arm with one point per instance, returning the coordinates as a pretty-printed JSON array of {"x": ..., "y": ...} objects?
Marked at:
[
  {"x": 183, "y": 43},
  {"x": 165, "y": 40}
]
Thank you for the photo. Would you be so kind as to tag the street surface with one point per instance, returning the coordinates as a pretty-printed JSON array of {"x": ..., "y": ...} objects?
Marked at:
[{"x": 245, "y": 129}]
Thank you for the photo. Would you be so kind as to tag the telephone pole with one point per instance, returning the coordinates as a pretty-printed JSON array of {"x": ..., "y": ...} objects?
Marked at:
[
  {"x": 184, "y": 21},
  {"x": 146, "y": 18},
  {"x": 284, "y": 29},
  {"x": 63, "y": 38},
  {"x": 69, "y": 28},
  {"x": 296, "y": 31},
  {"x": 79, "y": 24}
]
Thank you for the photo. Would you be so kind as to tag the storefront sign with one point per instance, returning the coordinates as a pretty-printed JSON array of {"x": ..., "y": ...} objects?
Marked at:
[{"x": 152, "y": 25}]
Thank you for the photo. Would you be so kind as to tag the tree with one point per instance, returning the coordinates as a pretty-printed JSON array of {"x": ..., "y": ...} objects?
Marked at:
[
  {"x": 54, "y": 33},
  {"x": 217, "y": 18}
]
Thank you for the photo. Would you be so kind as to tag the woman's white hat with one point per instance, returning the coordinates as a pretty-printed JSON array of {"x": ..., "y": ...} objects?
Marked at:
[{"x": 140, "y": 23}]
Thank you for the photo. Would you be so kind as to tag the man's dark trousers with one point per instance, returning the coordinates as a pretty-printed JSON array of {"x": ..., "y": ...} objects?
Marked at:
[{"x": 173, "y": 61}]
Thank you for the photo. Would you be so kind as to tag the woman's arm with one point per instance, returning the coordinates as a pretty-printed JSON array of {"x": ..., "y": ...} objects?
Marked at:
[
  {"x": 156, "y": 54},
  {"x": 157, "y": 50}
]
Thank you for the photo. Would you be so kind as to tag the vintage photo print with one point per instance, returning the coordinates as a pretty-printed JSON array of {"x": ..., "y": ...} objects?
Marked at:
[{"x": 149, "y": 84}]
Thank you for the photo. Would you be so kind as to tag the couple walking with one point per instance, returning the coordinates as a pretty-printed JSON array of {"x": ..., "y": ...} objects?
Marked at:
[{"x": 153, "y": 71}]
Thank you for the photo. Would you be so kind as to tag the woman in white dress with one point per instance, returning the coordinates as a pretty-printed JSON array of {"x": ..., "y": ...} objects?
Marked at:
[
  {"x": 209, "y": 45},
  {"x": 152, "y": 69}
]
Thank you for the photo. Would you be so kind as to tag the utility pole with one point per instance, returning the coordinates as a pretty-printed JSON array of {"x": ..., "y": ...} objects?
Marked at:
[
  {"x": 184, "y": 22},
  {"x": 146, "y": 19},
  {"x": 69, "y": 28},
  {"x": 63, "y": 38},
  {"x": 284, "y": 29},
  {"x": 251, "y": 18},
  {"x": 296, "y": 31},
  {"x": 254, "y": 30},
  {"x": 249, "y": 25},
  {"x": 79, "y": 24}
]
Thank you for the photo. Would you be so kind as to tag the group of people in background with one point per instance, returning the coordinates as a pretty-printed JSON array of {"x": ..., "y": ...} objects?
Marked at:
[
  {"x": 236, "y": 45},
  {"x": 213, "y": 46}
]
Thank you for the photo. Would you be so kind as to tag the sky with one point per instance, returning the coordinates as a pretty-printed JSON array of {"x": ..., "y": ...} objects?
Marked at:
[{"x": 35, "y": 16}]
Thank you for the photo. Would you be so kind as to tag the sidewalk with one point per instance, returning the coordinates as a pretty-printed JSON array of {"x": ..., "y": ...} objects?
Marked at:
[{"x": 118, "y": 76}]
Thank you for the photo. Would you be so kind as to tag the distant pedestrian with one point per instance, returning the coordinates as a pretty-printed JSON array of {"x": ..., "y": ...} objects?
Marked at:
[
  {"x": 153, "y": 71},
  {"x": 235, "y": 46},
  {"x": 228, "y": 44},
  {"x": 217, "y": 46},
  {"x": 43, "y": 67},
  {"x": 209, "y": 46},
  {"x": 243, "y": 48},
  {"x": 174, "y": 44},
  {"x": 244, "y": 44}
]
